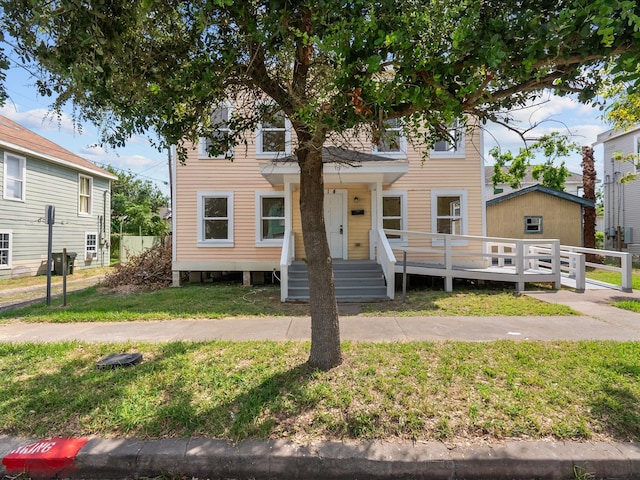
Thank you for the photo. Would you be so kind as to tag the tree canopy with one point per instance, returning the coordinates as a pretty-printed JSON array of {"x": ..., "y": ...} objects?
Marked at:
[
  {"x": 330, "y": 65},
  {"x": 511, "y": 169},
  {"x": 135, "y": 205}
]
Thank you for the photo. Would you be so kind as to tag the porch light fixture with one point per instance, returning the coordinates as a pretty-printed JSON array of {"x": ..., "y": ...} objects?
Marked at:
[{"x": 355, "y": 199}]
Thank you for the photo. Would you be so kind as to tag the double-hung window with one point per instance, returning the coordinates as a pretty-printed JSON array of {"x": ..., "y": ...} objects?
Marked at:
[
  {"x": 85, "y": 194},
  {"x": 394, "y": 213},
  {"x": 215, "y": 219},
  {"x": 5, "y": 248},
  {"x": 636, "y": 160},
  {"x": 449, "y": 215},
  {"x": 15, "y": 171},
  {"x": 274, "y": 135},
  {"x": 451, "y": 144},
  {"x": 271, "y": 218},
  {"x": 220, "y": 135},
  {"x": 392, "y": 142},
  {"x": 90, "y": 246}
]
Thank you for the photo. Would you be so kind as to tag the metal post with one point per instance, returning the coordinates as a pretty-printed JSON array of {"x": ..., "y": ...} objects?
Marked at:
[
  {"x": 404, "y": 277},
  {"x": 65, "y": 265},
  {"x": 50, "y": 218}
]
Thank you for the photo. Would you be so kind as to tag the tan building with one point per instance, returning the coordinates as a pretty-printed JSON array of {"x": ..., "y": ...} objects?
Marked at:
[
  {"x": 537, "y": 212},
  {"x": 244, "y": 215}
]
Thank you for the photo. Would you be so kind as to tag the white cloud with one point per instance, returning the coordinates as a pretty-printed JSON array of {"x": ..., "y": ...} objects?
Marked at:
[{"x": 39, "y": 119}]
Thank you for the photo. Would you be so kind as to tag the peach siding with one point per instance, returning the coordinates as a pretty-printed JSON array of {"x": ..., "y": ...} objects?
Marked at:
[
  {"x": 561, "y": 218},
  {"x": 242, "y": 176}
]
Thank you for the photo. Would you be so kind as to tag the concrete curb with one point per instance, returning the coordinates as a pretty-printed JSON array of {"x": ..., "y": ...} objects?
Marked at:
[{"x": 279, "y": 459}]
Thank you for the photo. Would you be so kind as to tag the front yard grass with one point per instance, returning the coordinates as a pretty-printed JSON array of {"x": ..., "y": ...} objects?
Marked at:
[
  {"x": 97, "y": 304},
  {"x": 449, "y": 391}
]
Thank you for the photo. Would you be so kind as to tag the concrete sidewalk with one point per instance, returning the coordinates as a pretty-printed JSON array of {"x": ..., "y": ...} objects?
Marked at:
[{"x": 280, "y": 459}]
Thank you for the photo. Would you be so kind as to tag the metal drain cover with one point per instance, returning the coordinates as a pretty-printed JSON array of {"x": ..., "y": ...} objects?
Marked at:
[{"x": 114, "y": 360}]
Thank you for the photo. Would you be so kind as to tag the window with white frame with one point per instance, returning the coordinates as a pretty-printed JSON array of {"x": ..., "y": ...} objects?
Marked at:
[
  {"x": 636, "y": 160},
  {"x": 5, "y": 248},
  {"x": 220, "y": 122},
  {"x": 215, "y": 214},
  {"x": 90, "y": 246},
  {"x": 274, "y": 135},
  {"x": 15, "y": 172},
  {"x": 391, "y": 142},
  {"x": 271, "y": 218},
  {"x": 533, "y": 224},
  {"x": 449, "y": 213},
  {"x": 394, "y": 213},
  {"x": 452, "y": 144},
  {"x": 85, "y": 194}
]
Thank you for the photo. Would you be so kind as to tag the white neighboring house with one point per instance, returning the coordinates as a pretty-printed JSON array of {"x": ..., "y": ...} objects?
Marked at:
[
  {"x": 573, "y": 185},
  {"x": 621, "y": 200},
  {"x": 34, "y": 173}
]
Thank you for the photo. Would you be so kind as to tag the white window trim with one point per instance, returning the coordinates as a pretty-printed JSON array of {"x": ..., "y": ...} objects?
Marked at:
[
  {"x": 87, "y": 255},
  {"x": 287, "y": 142},
  {"x": 402, "y": 145},
  {"x": 464, "y": 213},
  {"x": 23, "y": 171},
  {"x": 202, "y": 152},
  {"x": 404, "y": 219},
  {"x": 460, "y": 149},
  {"x": 228, "y": 242},
  {"x": 636, "y": 160},
  {"x": 270, "y": 242},
  {"x": 90, "y": 212},
  {"x": 10, "y": 233}
]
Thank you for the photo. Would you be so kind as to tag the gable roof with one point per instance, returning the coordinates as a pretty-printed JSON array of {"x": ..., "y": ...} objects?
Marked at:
[
  {"x": 542, "y": 189},
  {"x": 18, "y": 139},
  {"x": 528, "y": 178}
]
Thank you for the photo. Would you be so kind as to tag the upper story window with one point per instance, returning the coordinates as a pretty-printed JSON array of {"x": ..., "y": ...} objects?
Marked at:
[
  {"x": 15, "y": 172},
  {"x": 85, "y": 195},
  {"x": 274, "y": 136},
  {"x": 5, "y": 249},
  {"x": 636, "y": 161},
  {"x": 452, "y": 145},
  {"x": 391, "y": 142},
  {"x": 220, "y": 121},
  {"x": 215, "y": 215}
]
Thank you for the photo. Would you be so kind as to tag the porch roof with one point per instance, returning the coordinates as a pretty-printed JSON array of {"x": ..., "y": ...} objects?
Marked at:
[{"x": 340, "y": 166}]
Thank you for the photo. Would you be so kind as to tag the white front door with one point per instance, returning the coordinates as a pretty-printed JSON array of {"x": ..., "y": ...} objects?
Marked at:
[{"x": 334, "y": 218}]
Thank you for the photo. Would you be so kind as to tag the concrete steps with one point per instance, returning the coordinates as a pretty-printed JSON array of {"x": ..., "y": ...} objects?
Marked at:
[{"x": 355, "y": 281}]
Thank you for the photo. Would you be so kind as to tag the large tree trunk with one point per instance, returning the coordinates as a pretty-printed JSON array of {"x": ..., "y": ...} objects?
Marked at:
[
  {"x": 325, "y": 328},
  {"x": 589, "y": 188}
]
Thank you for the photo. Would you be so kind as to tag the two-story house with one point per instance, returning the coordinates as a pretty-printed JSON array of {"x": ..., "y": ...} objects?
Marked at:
[
  {"x": 244, "y": 215},
  {"x": 621, "y": 200},
  {"x": 35, "y": 173}
]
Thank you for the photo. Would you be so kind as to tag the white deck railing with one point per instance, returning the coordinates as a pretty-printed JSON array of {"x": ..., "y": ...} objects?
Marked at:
[
  {"x": 286, "y": 258},
  {"x": 624, "y": 259},
  {"x": 475, "y": 257},
  {"x": 386, "y": 259}
]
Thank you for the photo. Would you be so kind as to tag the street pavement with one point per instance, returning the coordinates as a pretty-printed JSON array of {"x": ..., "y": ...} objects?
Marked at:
[{"x": 280, "y": 459}]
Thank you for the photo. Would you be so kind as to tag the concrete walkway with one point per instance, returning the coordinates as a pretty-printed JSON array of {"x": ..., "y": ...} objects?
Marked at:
[{"x": 210, "y": 458}]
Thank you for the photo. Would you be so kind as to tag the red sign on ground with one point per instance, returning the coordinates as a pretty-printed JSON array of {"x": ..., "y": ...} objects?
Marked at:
[{"x": 45, "y": 457}]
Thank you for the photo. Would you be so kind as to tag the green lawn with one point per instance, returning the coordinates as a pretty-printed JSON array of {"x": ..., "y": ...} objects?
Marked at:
[
  {"x": 450, "y": 391},
  {"x": 98, "y": 304}
]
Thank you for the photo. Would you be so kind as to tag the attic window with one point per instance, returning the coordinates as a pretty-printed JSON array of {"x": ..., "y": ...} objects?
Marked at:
[{"x": 532, "y": 224}]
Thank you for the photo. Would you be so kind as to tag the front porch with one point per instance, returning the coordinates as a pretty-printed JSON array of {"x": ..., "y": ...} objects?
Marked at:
[{"x": 466, "y": 257}]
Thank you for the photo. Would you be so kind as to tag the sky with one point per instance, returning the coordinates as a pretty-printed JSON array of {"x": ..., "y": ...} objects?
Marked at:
[{"x": 24, "y": 106}]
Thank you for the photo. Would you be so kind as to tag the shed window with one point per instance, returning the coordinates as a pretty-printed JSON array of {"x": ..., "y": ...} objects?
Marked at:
[{"x": 532, "y": 224}]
